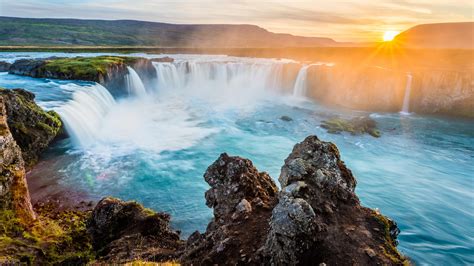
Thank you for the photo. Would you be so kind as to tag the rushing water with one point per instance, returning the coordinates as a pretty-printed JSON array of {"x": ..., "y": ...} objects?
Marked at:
[
  {"x": 155, "y": 149},
  {"x": 406, "y": 98},
  {"x": 300, "y": 84}
]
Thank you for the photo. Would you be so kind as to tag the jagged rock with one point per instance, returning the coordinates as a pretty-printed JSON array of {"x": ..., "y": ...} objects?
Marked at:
[
  {"x": 319, "y": 218},
  {"x": 242, "y": 199},
  {"x": 32, "y": 128},
  {"x": 4, "y": 66},
  {"x": 355, "y": 126},
  {"x": 125, "y": 231},
  {"x": 14, "y": 193}
]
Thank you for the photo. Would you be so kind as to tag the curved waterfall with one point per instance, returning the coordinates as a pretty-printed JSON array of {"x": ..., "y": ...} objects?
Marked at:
[
  {"x": 135, "y": 85},
  {"x": 406, "y": 98},
  {"x": 84, "y": 113},
  {"x": 244, "y": 77},
  {"x": 301, "y": 85}
]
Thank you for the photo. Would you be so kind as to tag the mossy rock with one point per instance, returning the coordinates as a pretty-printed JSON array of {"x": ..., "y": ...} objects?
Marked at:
[
  {"x": 32, "y": 127},
  {"x": 355, "y": 126},
  {"x": 84, "y": 68},
  {"x": 390, "y": 232},
  {"x": 54, "y": 238}
]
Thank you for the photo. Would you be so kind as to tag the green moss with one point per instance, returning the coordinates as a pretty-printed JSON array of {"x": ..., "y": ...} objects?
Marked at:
[
  {"x": 85, "y": 68},
  {"x": 58, "y": 239},
  {"x": 389, "y": 247},
  {"x": 355, "y": 126},
  {"x": 10, "y": 225}
]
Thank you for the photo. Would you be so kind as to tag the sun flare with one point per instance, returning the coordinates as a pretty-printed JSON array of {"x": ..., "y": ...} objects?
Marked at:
[{"x": 390, "y": 35}]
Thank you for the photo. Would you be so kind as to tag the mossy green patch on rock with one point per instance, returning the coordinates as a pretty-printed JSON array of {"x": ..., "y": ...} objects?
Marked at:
[
  {"x": 84, "y": 68},
  {"x": 55, "y": 237},
  {"x": 390, "y": 230},
  {"x": 355, "y": 126}
]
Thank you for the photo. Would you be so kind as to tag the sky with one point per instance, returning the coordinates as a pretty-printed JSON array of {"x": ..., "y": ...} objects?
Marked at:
[{"x": 348, "y": 20}]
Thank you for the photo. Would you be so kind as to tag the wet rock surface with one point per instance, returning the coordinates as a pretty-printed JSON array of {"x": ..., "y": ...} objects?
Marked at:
[
  {"x": 126, "y": 231},
  {"x": 319, "y": 218},
  {"x": 242, "y": 199},
  {"x": 4, "y": 66},
  {"x": 355, "y": 126},
  {"x": 32, "y": 128}
]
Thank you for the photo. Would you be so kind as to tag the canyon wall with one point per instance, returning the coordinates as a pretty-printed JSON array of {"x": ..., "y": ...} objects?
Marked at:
[{"x": 426, "y": 91}]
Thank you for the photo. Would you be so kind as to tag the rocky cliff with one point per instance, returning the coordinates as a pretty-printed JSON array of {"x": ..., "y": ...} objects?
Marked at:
[
  {"x": 432, "y": 91},
  {"x": 14, "y": 195},
  {"x": 110, "y": 71},
  {"x": 32, "y": 128}
]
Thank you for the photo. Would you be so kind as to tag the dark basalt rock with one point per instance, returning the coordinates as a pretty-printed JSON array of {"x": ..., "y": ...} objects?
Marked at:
[
  {"x": 355, "y": 126},
  {"x": 4, "y": 66},
  {"x": 316, "y": 218},
  {"x": 27, "y": 67},
  {"x": 286, "y": 118},
  {"x": 126, "y": 231},
  {"x": 319, "y": 218},
  {"x": 32, "y": 128},
  {"x": 242, "y": 199}
]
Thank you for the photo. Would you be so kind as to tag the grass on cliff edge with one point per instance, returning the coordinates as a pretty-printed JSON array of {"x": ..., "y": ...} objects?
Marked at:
[
  {"x": 61, "y": 238},
  {"x": 87, "y": 68}
]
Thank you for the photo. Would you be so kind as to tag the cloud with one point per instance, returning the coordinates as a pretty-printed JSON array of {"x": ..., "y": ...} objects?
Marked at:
[{"x": 348, "y": 20}]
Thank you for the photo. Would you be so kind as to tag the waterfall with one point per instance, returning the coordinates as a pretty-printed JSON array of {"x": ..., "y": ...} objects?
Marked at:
[
  {"x": 252, "y": 76},
  {"x": 300, "y": 87},
  {"x": 406, "y": 98},
  {"x": 134, "y": 83},
  {"x": 167, "y": 75},
  {"x": 85, "y": 112}
]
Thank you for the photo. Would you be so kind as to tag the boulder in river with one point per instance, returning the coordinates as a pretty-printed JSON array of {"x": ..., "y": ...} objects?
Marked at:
[
  {"x": 319, "y": 219},
  {"x": 4, "y": 66},
  {"x": 355, "y": 126},
  {"x": 316, "y": 217}
]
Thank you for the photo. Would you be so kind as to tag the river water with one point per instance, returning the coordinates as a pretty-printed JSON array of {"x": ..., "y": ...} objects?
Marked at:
[{"x": 155, "y": 144}]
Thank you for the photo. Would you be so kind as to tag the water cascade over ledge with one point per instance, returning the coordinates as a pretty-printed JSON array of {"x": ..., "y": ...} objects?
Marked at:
[
  {"x": 135, "y": 85},
  {"x": 83, "y": 115},
  {"x": 301, "y": 83},
  {"x": 406, "y": 98}
]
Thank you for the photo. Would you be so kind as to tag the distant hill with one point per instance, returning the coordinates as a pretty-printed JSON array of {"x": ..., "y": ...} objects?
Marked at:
[
  {"x": 441, "y": 35},
  {"x": 67, "y": 32}
]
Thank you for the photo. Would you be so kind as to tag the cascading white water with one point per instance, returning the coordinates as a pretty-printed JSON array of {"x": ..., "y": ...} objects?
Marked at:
[
  {"x": 135, "y": 85},
  {"x": 84, "y": 113},
  {"x": 406, "y": 98},
  {"x": 167, "y": 76},
  {"x": 301, "y": 85},
  {"x": 219, "y": 75}
]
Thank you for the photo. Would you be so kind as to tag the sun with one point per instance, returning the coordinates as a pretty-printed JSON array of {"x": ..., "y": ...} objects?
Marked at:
[{"x": 390, "y": 35}]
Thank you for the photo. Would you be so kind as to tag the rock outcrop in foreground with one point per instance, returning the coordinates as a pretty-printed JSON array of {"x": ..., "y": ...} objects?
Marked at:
[
  {"x": 315, "y": 218},
  {"x": 123, "y": 231}
]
